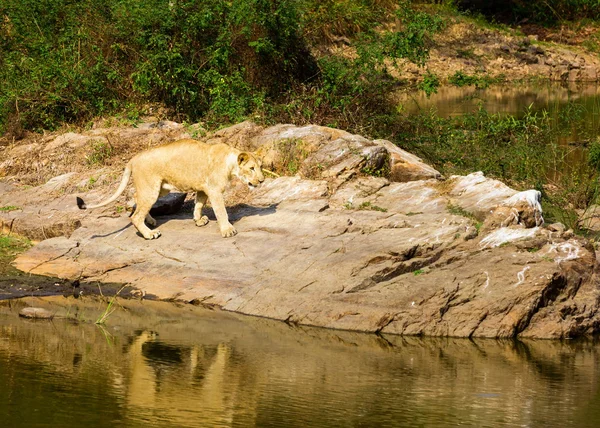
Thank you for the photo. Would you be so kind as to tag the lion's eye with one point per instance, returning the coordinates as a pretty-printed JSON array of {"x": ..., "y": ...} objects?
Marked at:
[{"x": 251, "y": 168}]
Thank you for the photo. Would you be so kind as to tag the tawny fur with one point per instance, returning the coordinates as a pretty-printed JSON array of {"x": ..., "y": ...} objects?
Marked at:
[{"x": 188, "y": 166}]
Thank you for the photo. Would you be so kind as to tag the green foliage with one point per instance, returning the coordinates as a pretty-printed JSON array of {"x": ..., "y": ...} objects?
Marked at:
[
  {"x": 328, "y": 19},
  {"x": 102, "y": 318},
  {"x": 218, "y": 61},
  {"x": 517, "y": 150},
  {"x": 64, "y": 61},
  {"x": 8, "y": 208},
  {"x": 430, "y": 83},
  {"x": 11, "y": 245},
  {"x": 594, "y": 155},
  {"x": 367, "y": 73},
  {"x": 458, "y": 210},
  {"x": 521, "y": 151},
  {"x": 99, "y": 154},
  {"x": 366, "y": 206},
  {"x": 370, "y": 207},
  {"x": 461, "y": 79}
]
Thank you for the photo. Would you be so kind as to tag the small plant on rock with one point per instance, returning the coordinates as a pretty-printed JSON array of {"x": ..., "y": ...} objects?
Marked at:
[
  {"x": 101, "y": 152},
  {"x": 8, "y": 208}
]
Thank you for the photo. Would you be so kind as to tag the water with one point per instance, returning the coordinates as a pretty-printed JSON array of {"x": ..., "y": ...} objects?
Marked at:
[
  {"x": 578, "y": 101},
  {"x": 164, "y": 365},
  {"x": 510, "y": 99}
]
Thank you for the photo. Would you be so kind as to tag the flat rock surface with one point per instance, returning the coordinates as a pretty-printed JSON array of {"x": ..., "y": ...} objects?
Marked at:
[{"x": 333, "y": 246}]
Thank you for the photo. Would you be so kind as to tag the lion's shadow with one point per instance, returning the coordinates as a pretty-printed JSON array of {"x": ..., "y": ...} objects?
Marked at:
[{"x": 235, "y": 213}]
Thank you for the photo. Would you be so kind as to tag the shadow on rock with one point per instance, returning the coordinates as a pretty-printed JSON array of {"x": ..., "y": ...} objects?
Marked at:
[{"x": 239, "y": 211}]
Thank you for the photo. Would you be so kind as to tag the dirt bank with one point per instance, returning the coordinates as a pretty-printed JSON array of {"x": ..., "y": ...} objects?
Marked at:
[{"x": 466, "y": 46}]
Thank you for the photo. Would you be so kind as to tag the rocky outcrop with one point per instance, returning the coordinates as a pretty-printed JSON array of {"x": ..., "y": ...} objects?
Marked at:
[{"x": 347, "y": 233}]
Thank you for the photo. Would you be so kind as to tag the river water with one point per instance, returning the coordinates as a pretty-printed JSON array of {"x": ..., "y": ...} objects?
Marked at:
[
  {"x": 511, "y": 99},
  {"x": 158, "y": 364},
  {"x": 578, "y": 102}
]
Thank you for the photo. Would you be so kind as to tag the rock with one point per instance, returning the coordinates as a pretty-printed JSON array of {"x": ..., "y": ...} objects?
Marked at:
[
  {"x": 170, "y": 204},
  {"x": 590, "y": 218},
  {"x": 526, "y": 57},
  {"x": 477, "y": 194},
  {"x": 344, "y": 157},
  {"x": 72, "y": 140},
  {"x": 36, "y": 313},
  {"x": 588, "y": 73},
  {"x": 535, "y": 50},
  {"x": 6, "y": 187},
  {"x": 58, "y": 182},
  {"x": 556, "y": 227},
  {"x": 334, "y": 247},
  {"x": 405, "y": 166},
  {"x": 161, "y": 124},
  {"x": 319, "y": 152},
  {"x": 23, "y": 149}
]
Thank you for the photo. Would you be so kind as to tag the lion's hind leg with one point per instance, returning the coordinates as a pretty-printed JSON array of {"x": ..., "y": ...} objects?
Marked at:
[
  {"x": 149, "y": 219},
  {"x": 145, "y": 198}
]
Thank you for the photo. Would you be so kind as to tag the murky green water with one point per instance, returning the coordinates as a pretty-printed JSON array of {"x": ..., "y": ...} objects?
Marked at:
[
  {"x": 159, "y": 365},
  {"x": 577, "y": 101}
]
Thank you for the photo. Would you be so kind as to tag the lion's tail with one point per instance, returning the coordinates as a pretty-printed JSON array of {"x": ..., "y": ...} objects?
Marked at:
[{"x": 126, "y": 175}]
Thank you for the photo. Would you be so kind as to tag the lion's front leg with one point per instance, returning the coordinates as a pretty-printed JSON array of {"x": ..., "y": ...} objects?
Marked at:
[
  {"x": 218, "y": 204},
  {"x": 201, "y": 199}
]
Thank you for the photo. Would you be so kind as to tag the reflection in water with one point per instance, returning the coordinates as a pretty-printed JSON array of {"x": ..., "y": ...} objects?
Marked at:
[
  {"x": 511, "y": 99},
  {"x": 160, "y": 365}
]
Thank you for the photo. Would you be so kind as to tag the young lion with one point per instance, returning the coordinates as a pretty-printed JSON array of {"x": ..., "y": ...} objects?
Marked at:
[{"x": 186, "y": 165}]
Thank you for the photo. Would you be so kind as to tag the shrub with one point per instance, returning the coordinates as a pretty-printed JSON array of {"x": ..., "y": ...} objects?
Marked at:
[{"x": 64, "y": 61}]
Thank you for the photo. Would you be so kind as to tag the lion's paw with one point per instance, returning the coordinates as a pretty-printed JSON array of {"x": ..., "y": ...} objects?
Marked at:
[
  {"x": 228, "y": 232},
  {"x": 155, "y": 234},
  {"x": 202, "y": 221}
]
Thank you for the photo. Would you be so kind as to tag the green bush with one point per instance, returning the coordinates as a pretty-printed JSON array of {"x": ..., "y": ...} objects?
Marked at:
[
  {"x": 64, "y": 61},
  {"x": 213, "y": 60},
  {"x": 594, "y": 155},
  {"x": 461, "y": 79}
]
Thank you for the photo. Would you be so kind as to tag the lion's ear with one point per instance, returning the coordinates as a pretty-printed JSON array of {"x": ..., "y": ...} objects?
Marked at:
[{"x": 243, "y": 158}]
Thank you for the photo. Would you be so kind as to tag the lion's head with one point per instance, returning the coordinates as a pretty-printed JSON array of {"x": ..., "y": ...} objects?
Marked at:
[{"x": 249, "y": 169}]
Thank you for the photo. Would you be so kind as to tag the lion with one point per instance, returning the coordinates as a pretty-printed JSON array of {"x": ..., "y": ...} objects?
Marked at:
[{"x": 186, "y": 165}]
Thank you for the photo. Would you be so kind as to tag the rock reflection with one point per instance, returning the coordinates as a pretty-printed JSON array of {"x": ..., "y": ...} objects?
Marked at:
[{"x": 160, "y": 364}]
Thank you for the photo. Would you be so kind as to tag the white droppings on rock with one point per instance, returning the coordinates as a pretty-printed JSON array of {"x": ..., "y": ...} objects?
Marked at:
[
  {"x": 532, "y": 198},
  {"x": 568, "y": 250},
  {"x": 505, "y": 234},
  {"x": 521, "y": 276}
]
